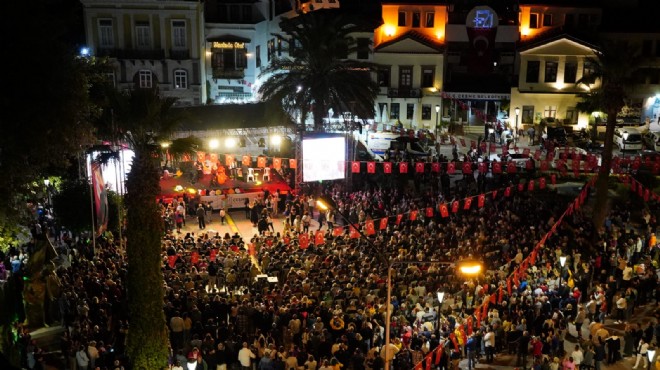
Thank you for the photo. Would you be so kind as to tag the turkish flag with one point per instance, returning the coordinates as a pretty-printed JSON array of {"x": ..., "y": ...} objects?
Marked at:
[
  {"x": 252, "y": 250},
  {"x": 550, "y": 156},
  {"x": 511, "y": 167},
  {"x": 494, "y": 194},
  {"x": 444, "y": 212},
  {"x": 435, "y": 167},
  {"x": 553, "y": 179},
  {"x": 194, "y": 258},
  {"x": 338, "y": 231},
  {"x": 383, "y": 223},
  {"x": 467, "y": 168},
  {"x": 229, "y": 160},
  {"x": 529, "y": 164},
  {"x": 492, "y": 147},
  {"x": 656, "y": 168},
  {"x": 468, "y": 203},
  {"x": 247, "y": 161},
  {"x": 398, "y": 219},
  {"x": 482, "y": 200},
  {"x": 303, "y": 240},
  {"x": 497, "y": 167},
  {"x": 576, "y": 164},
  {"x": 483, "y": 167},
  {"x": 429, "y": 211},
  {"x": 293, "y": 164},
  {"x": 214, "y": 253},
  {"x": 647, "y": 194},
  {"x": 403, "y": 167},
  {"x": 277, "y": 163},
  {"x": 419, "y": 167},
  {"x": 454, "y": 206},
  {"x": 355, "y": 167},
  {"x": 520, "y": 187},
  {"x": 530, "y": 185},
  {"x": 413, "y": 215},
  {"x": 261, "y": 162},
  {"x": 171, "y": 260},
  {"x": 544, "y": 165},
  {"x": 319, "y": 238},
  {"x": 451, "y": 168},
  {"x": 526, "y": 152},
  {"x": 537, "y": 154},
  {"x": 542, "y": 183},
  {"x": 353, "y": 232},
  {"x": 371, "y": 228},
  {"x": 371, "y": 167},
  {"x": 483, "y": 146},
  {"x": 387, "y": 167},
  {"x": 462, "y": 141},
  {"x": 507, "y": 191}
]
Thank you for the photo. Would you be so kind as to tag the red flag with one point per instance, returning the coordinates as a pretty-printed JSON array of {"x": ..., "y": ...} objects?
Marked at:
[
  {"x": 429, "y": 211},
  {"x": 537, "y": 154},
  {"x": 451, "y": 168},
  {"x": 483, "y": 168},
  {"x": 494, "y": 194},
  {"x": 530, "y": 185},
  {"x": 353, "y": 232},
  {"x": 229, "y": 160},
  {"x": 261, "y": 162},
  {"x": 247, "y": 161},
  {"x": 194, "y": 257},
  {"x": 508, "y": 286},
  {"x": 553, "y": 179},
  {"x": 438, "y": 354},
  {"x": 214, "y": 253},
  {"x": 647, "y": 194},
  {"x": 492, "y": 298},
  {"x": 398, "y": 219},
  {"x": 483, "y": 146},
  {"x": 303, "y": 240},
  {"x": 497, "y": 167},
  {"x": 526, "y": 152},
  {"x": 507, "y": 191},
  {"x": 387, "y": 167},
  {"x": 473, "y": 144},
  {"x": 482, "y": 200},
  {"x": 319, "y": 238},
  {"x": 633, "y": 185},
  {"x": 371, "y": 167},
  {"x": 511, "y": 167},
  {"x": 505, "y": 149},
  {"x": 500, "y": 295},
  {"x": 338, "y": 231},
  {"x": 403, "y": 167},
  {"x": 542, "y": 183},
  {"x": 277, "y": 163},
  {"x": 252, "y": 251},
  {"x": 454, "y": 206},
  {"x": 293, "y": 164},
  {"x": 371, "y": 228},
  {"x": 383, "y": 223},
  {"x": 529, "y": 164},
  {"x": 468, "y": 203},
  {"x": 656, "y": 168},
  {"x": 470, "y": 325},
  {"x": 492, "y": 147},
  {"x": 171, "y": 260},
  {"x": 521, "y": 187},
  {"x": 444, "y": 212},
  {"x": 435, "y": 167},
  {"x": 419, "y": 167},
  {"x": 428, "y": 363},
  {"x": 355, "y": 167},
  {"x": 467, "y": 168}
]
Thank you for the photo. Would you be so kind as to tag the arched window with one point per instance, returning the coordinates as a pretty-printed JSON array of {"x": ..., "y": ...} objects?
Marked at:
[
  {"x": 145, "y": 79},
  {"x": 180, "y": 79}
]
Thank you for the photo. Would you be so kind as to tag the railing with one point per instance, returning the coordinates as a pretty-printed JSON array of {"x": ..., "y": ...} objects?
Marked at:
[
  {"x": 404, "y": 93},
  {"x": 228, "y": 73}
]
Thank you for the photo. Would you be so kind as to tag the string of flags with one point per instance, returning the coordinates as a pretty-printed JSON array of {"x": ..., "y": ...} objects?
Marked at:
[{"x": 477, "y": 112}]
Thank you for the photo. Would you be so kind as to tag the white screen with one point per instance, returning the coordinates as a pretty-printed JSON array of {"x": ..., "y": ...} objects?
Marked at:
[{"x": 323, "y": 158}]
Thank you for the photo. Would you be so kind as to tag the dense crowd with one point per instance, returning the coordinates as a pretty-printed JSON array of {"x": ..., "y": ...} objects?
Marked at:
[{"x": 327, "y": 308}]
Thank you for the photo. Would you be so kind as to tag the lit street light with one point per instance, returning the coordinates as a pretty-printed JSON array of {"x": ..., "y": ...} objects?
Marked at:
[
  {"x": 517, "y": 110},
  {"x": 437, "y": 116},
  {"x": 562, "y": 262}
]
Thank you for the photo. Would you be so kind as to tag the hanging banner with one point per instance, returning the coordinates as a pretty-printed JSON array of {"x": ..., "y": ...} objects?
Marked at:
[
  {"x": 387, "y": 167},
  {"x": 355, "y": 167},
  {"x": 403, "y": 167},
  {"x": 383, "y": 223},
  {"x": 419, "y": 167},
  {"x": 370, "y": 227},
  {"x": 277, "y": 163},
  {"x": 371, "y": 167},
  {"x": 229, "y": 160},
  {"x": 435, "y": 167},
  {"x": 261, "y": 162},
  {"x": 100, "y": 199},
  {"x": 247, "y": 161}
]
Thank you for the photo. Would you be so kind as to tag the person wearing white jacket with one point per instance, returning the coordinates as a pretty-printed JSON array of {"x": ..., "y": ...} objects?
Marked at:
[
  {"x": 82, "y": 359},
  {"x": 642, "y": 349}
]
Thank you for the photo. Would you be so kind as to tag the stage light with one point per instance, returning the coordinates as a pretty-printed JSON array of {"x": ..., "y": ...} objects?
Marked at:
[
  {"x": 276, "y": 140},
  {"x": 230, "y": 142},
  {"x": 214, "y": 144},
  {"x": 178, "y": 188}
]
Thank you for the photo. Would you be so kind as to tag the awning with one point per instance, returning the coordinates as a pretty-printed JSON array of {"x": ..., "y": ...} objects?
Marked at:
[{"x": 228, "y": 38}]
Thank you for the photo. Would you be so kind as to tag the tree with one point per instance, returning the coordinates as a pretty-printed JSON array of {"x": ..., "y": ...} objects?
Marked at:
[
  {"x": 613, "y": 65},
  {"x": 144, "y": 120},
  {"x": 317, "y": 74}
]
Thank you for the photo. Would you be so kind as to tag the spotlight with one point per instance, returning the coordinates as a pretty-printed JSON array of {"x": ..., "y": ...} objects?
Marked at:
[
  {"x": 276, "y": 140},
  {"x": 214, "y": 144},
  {"x": 230, "y": 142}
]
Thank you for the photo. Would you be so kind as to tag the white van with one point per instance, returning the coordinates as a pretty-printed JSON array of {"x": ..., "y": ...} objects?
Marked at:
[{"x": 628, "y": 139}]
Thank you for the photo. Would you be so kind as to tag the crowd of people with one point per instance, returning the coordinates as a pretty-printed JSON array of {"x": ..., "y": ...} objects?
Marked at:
[{"x": 327, "y": 307}]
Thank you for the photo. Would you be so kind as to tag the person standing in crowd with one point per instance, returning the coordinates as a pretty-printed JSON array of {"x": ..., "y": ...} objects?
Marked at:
[
  {"x": 245, "y": 357},
  {"x": 201, "y": 216},
  {"x": 82, "y": 360},
  {"x": 642, "y": 350},
  {"x": 223, "y": 215}
]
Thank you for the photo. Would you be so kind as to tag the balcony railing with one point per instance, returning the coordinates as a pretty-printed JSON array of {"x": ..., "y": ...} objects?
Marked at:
[
  {"x": 179, "y": 54},
  {"x": 228, "y": 73},
  {"x": 404, "y": 93}
]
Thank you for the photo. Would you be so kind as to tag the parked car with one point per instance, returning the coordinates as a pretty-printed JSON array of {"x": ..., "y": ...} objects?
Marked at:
[
  {"x": 652, "y": 140},
  {"x": 628, "y": 139}
]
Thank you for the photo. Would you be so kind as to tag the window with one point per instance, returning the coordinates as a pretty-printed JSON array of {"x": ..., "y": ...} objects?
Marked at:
[
  {"x": 142, "y": 35},
  {"x": 394, "y": 111},
  {"x": 257, "y": 51},
  {"x": 534, "y": 20},
  {"x": 405, "y": 77},
  {"x": 110, "y": 76},
  {"x": 428, "y": 76},
  {"x": 145, "y": 81},
  {"x": 179, "y": 34},
  {"x": 229, "y": 59},
  {"x": 426, "y": 111},
  {"x": 106, "y": 34},
  {"x": 550, "y": 71},
  {"x": 570, "y": 72},
  {"x": 416, "y": 19},
  {"x": 527, "y": 114},
  {"x": 430, "y": 20},
  {"x": 533, "y": 69},
  {"x": 647, "y": 45},
  {"x": 402, "y": 19},
  {"x": 384, "y": 76},
  {"x": 588, "y": 70},
  {"x": 410, "y": 111},
  {"x": 180, "y": 79},
  {"x": 382, "y": 109},
  {"x": 571, "y": 114},
  {"x": 363, "y": 48},
  {"x": 550, "y": 111},
  {"x": 271, "y": 49},
  {"x": 547, "y": 20}
]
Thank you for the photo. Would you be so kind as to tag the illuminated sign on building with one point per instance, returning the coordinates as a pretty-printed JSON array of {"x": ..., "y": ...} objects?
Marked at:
[
  {"x": 228, "y": 45},
  {"x": 482, "y": 17}
]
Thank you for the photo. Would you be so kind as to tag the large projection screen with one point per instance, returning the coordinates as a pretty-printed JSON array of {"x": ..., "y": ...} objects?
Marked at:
[{"x": 324, "y": 158}]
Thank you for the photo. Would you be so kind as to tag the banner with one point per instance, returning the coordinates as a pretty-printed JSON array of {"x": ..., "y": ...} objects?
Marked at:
[{"x": 100, "y": 199}]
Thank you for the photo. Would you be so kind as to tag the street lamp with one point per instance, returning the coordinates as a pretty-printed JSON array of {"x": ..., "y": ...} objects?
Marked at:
[
  {"x": 47, "y": 184},
  {"x": 562, "y": 262},
  {"x": 437, "y": 115},
  {"x": 625, "y": 138},
  {"x": 517, "y": 110}
]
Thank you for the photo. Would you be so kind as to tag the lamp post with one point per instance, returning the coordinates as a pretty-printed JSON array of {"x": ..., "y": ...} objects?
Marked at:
[
  {"x": 437, "y": 115},
  {"x": 468, "y": 267},
  {"x": 47, "y": 184},
  {"x": 562, "y": 262},
  {"x": 594, "y": 134},
  {"x": 625, "y": 138},
  {"x": 517, "y": 110}
]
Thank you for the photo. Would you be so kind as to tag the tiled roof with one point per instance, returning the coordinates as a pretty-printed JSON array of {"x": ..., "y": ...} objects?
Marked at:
[{"x": 416, "y": 36}]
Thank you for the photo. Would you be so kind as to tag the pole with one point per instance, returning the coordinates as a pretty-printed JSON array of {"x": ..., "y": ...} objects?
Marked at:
[
  {"x": 516, "y": 135},
  {"x": 91, "y": 203},
  {"x": 388, "y": 316}
]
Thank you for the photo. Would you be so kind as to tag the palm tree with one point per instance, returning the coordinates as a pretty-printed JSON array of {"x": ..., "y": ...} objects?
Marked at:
[
  {"x": 316, "y": 75},
  {"x": 613, "y": 65},
  {"x": 144, "y": 120}
]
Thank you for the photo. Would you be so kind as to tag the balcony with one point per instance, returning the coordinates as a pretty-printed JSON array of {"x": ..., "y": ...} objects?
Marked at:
[
  {"x": 149, "y": 54},
  {"x": 228, "y": 73},
  {"x": 179, "y": 54},
  {"x": 404, "y": 93}
]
